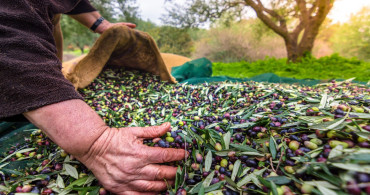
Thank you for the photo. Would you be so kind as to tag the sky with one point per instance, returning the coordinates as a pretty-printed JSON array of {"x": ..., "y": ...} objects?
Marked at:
[{"x": 342, "y": 10}]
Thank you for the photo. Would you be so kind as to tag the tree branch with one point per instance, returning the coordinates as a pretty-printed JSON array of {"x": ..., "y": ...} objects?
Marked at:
[
  {"x": 260, "y": 9},
  {"x": 301, "y": 4}
]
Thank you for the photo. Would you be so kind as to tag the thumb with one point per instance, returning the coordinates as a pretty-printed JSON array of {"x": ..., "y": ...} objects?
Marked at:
[{"x": 152, "y": 132}]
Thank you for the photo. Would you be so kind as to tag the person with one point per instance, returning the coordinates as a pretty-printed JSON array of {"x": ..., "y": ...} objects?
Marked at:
[{"x": 32, "y": 85}]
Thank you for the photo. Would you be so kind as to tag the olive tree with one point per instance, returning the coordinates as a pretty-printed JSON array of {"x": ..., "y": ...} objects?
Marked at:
[
  {"x": 113, "y": 10},
  {"x": 296, "y": 21}
]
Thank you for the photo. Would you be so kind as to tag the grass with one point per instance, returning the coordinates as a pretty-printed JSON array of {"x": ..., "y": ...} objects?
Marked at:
[{"x": 330, "y": 67}]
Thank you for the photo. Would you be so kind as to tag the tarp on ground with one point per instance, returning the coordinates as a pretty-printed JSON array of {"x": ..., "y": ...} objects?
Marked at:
[{"x": 200, "y": 71}]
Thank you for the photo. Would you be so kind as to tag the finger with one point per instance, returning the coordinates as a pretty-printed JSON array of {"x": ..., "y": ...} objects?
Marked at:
[
  {"x": 130, "y": 25},
  {"x": 162, "y": 155},
  {"x": 150, "y": 186},
  {"x": 151, "y": 132},
  {"x": 154, "y": 172}
]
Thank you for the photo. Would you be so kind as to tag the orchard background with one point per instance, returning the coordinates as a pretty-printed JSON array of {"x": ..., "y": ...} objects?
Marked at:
[{"x": 237, "y": 39}]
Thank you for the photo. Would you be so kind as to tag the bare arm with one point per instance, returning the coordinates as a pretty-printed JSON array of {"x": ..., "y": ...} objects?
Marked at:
[
  {"x": 117, "y": 157},
  {"x": 88, "y": 19}
]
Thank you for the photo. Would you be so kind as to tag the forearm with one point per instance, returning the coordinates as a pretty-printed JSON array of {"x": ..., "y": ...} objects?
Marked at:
[
  {"x": 89, "y": 18},
  {"x": 71, "y": 124}
]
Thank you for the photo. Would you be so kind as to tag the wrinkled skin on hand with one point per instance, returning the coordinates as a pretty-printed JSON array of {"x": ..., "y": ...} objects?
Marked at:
[
  {"x": 124, "y": 165},
  {"x": 117, "y": 157}
]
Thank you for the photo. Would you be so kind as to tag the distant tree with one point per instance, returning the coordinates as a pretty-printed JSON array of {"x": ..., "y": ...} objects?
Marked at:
[
  {"x": 353, "y": 37},
  {"x": 174, "y": 40},
  {"x": 117, "y": 10},
  {"x": 75, "y": 34},
  {"x": 168, "y": 38},
  {"x": 296, "y": 21}
]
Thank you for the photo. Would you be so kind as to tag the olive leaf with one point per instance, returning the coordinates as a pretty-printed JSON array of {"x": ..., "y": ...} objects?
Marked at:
[
  {"x": 323, "y": 100},
  {"x": 243, "y": 125},
  {"x": 243, "y": 148},
  {"x": 336, "y": 124},
  {"x": 60, "y": 182},
  {"x": 273, "y": 188},
  {"x": 326, "y": 191},
  {"x": 227, "y": 137},
  {"x": 18, "y": 151},
  {"x": 353, "y": 167},
  {"x": 235, "y": 169},
  {"x": 72, "y": 171},
  {"x": 208, "y": 179},
  {"x": 280, "y": 180},
  {"x": 208, "y": 161},
  {"x": 272, "y": 147}
]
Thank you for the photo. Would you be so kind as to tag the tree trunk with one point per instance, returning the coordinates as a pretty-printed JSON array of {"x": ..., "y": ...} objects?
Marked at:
[
  {"x": 82, "y": 49},
  {"x": 296, "y": 51},
  {"x": 292, "y": 49},
  {"x": 310, "y": 20}
]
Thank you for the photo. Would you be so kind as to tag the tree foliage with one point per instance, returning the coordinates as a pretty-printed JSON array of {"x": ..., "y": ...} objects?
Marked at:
[
  {"x": 296, "y": 21},
  {"x": 174, "y": 40},
  {"x": 353, "y": 38},
  {"x": 79, "y": 36}
]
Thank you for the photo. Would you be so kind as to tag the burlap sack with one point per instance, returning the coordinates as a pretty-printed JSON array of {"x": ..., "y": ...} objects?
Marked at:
[{"x": 121, "y": 46}]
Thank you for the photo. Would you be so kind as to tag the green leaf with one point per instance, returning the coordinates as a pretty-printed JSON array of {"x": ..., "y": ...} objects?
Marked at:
[
  {"x": 279, "y": 180},
  {"x": 249, "y": 114},
  {"x": 323, "y": 101},
  {"x": 272, "y": 147},
  {"x": 231, "y": 182},
  {"x": 360, "y": 115},
  {"x": 10, "y": 171},
  {"x": 245, "y": 171},
  {"x": 215, "y": 186},
  {"x": 245, "y": 180},
  {"x": 353, "y": 167},
  {"x": 3, "y": 165},
  {"x": 264, "y": 181},
  {"x": 359, "y": 158},
  {"x": 4, "y": 189},
  {"x": 330, "y": 178},
  {"x": 223, "y": 153},
  {"x": 60, "y": 182},
  {"x": 243, "y": 148},
  {"x": 336, "y": 124},
  {"x": 208, "y": 179},
  {"x": 235, "y": 169},
  {"x": 322, "y": 183},
  {"x": 78, "y": 182},
  {"x": 312, "y": 119},
  {"x": 89, "y": 180},
  {"x": 72, "y": 171},
  {"x": 273, "y": 188},
  {"x": 95, "y": 191},
  {"x": 196, "y": 188},
  {"x": 178, "y": 178},
  {"x": 250, "y": 153},
  {"x": 326, "y": 191},
  {"x": 201, "y": 191},
  {"x": 211, "y": 125},
  {"x": 243, "y": 125},
  {"x": 227, "y": 137},
  {"x": 208, "y": 161},
  {"x": 19, "y": 151},
  {"x": 337, "y": 151}
]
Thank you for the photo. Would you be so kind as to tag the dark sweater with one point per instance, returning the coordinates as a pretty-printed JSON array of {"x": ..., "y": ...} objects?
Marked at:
[{"x": 30, "y": 72}]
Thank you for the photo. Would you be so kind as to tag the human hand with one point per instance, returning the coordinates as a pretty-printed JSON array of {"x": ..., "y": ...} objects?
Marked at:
[
  {"x": 124, "y": 165},
  {"x": 106, "y": 25}
]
